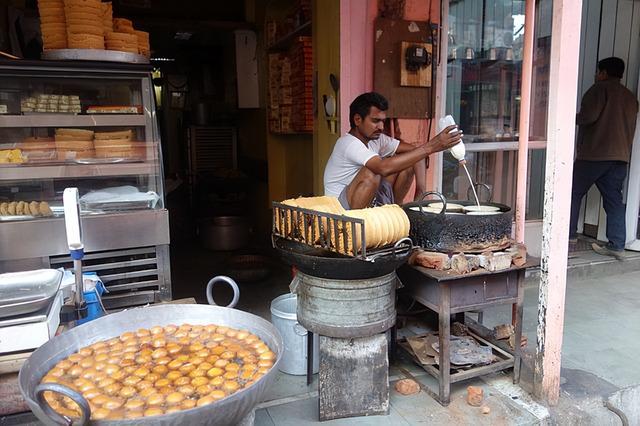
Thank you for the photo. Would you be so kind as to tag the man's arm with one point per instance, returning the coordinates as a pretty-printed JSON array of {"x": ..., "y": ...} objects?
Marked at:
[
  {"x": 591, "y": 106},
  {"x": 407, "y": 155}
]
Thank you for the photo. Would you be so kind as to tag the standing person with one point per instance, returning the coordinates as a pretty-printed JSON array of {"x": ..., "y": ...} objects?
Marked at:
[
  {"x": 607, "y": 121},
  {"x": 368, "y": 167}
]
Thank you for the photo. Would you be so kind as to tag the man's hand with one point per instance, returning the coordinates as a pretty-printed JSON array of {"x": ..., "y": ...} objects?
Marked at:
[{"x": 445, "y": 140}]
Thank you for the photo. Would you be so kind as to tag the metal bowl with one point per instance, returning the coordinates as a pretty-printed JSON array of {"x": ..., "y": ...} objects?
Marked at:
[
  {"x": 227, "y": 411},
  {"x": 469, "y": 233}
]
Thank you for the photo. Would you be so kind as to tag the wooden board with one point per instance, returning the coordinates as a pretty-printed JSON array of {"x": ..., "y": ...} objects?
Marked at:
[
  {"x": 404, "y": 102},
  {"x": 419, "y": 78}
]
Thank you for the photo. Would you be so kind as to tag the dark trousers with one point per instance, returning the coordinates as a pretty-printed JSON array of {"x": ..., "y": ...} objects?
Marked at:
[{"x": 609, "y": 177}]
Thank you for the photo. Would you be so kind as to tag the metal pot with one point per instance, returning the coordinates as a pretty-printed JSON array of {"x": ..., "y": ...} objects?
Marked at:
[
  {"x": 224, "y": 233},
  {"x": 227, "y": 411},
  {"x": 446, "y": 232}
]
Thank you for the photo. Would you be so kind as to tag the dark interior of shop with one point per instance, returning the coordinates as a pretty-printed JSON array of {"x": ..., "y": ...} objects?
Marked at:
[{"x": 216, "y": 193}]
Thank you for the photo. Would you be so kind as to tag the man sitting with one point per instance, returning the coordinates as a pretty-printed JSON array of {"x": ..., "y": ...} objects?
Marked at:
[{"x": 367, "y": 167}]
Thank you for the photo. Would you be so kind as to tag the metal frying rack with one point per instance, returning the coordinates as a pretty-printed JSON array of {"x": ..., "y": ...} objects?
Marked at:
[{"x": 330, "y": 232}]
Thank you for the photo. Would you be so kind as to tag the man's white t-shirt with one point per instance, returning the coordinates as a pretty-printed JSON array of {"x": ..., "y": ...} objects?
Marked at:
[{"x": 349, "y": 156}]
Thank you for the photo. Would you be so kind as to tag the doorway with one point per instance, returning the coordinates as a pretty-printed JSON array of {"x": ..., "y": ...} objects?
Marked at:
[{"x": 611, "y": 28}]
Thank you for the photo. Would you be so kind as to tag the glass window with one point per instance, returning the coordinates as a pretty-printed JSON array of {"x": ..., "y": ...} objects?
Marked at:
[
  {"x": 495, "y": 175},
  {"x": 484, "y": 75}
]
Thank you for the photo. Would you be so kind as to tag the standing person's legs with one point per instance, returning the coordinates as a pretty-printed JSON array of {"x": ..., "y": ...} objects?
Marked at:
[
  {"x": 610, "y": 186},
  {"x": 585, "y": 174}
]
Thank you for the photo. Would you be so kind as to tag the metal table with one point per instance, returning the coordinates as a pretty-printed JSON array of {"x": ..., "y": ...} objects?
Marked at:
[{"x": 447, "y": 294}]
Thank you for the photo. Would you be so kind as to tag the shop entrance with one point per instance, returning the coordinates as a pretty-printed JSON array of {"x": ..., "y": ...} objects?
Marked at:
[{"x": 610, "y": 28}]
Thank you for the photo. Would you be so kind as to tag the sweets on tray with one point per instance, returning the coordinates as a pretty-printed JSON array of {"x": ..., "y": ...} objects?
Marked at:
[
  {"x": 114, "y": 109},
  {"x": 11, "y": 156},
  {"x": 120, "y": 148},
  {"x": 25, "y": 208},
  {"x": 36, "y": 149},
  {"x": 160, "y": 370},
  {"x": 41, "y": 102}
]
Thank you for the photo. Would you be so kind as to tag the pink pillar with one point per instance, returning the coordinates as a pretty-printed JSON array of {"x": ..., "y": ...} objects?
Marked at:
[
  {"x": 357, "y": 19},
  {"x": 557, "y": 198},
  {"x": 525, "y": 111},
  {"x": 356, "y": 53}
]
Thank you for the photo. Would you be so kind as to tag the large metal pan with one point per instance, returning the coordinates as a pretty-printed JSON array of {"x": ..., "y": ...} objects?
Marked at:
[
  {"x": 447, "y": 232},
  {"x": 227, "y": 411},
  {"x": 321, "y": 263}
]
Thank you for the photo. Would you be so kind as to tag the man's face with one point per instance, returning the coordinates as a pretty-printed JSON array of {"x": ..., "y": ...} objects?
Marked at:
[
  {"x": 372, "y": 125},
  {"x": 601, "y": 75}
]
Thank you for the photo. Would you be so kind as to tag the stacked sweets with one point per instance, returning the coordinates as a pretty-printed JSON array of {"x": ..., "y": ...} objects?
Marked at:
[
  {"x": 84, "y": 24},
  {"x": 72, "y": 144},
  {"x": 88, "y": 24},
  {"x": 53, "y": 24}
]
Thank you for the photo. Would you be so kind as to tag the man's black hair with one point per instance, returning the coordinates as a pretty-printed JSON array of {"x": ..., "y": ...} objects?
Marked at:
[
  {"x": 613, "y": 66},
  {"x": 363, "y": 103}
]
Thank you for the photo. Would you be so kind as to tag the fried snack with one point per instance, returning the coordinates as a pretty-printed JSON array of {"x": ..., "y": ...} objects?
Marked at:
[
  {"x": 52, "y": 24},
  {"x": 20, "y": 208},
  {"x": 34, "y": 208},
  {"x": 383, "y": 225},
  {"x": 11, "y": 208},
  {"x": 73, "y": 134},
  {"x": 323, "y": 204},
  {"x": 44, "y": 208},
  {"x": 161, "y": 370},
  {"x": 107, "y": 17},
  {"x": 3, "y": 209},
  {"x": 86, "y": 41}
]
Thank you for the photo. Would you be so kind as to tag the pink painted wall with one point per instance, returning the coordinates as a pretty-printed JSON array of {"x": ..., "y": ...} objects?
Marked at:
[{"x": 356, "y": 60}]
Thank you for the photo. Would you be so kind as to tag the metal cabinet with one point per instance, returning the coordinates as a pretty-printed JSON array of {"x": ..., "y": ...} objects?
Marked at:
[{"x": 92, "y": 126}]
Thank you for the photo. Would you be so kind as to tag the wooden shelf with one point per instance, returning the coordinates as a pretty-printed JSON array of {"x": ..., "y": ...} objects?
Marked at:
[
  {"x": 71, "y": 120},
  {"x": 284, "y": 42}
]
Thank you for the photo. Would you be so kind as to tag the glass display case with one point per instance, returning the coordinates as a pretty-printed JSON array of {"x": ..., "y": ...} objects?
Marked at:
[
  {"x": 484, "y": 77},
  {"x": 91, "y": 126}
]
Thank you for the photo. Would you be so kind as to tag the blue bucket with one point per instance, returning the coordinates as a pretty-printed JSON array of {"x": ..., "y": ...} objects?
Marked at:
[{"x": 92, "y": 298}]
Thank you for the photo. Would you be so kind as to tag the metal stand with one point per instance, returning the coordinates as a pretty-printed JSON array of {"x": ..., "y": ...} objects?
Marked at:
[
  {"x": 450, "y": 295},
  {"x": 309, "y": 357}
]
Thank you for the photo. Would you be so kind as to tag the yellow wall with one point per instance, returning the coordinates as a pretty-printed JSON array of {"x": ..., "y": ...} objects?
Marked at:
[{"x": 290, "y": 156}]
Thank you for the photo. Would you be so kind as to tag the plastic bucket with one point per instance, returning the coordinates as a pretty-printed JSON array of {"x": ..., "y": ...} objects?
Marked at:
[{"x": 294, "y": 336}]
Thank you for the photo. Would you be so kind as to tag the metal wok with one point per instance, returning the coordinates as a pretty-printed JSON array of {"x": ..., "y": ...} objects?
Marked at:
[
  {"x": 227, "y": 411},
  {"x": 446, "y": 232},
  {"x": 321, "y": 263}
]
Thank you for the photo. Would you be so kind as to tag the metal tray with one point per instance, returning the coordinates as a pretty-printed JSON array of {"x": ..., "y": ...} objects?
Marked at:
[
  {"x": 94, "y": 55},
  {"x": 28, "y": 291},
  {"x": 107, "y": 206}
]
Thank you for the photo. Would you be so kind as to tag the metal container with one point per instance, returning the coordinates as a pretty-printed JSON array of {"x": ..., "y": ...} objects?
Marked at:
[
  {"x": 28, "y": 291},
  {"x": 284, "y": 318},
  {"x": 228, "y": 411},
  {"x": 457, "y": 232},
  {"x": 346, "y": 308},
  {"x": 223, "y": 233}
]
